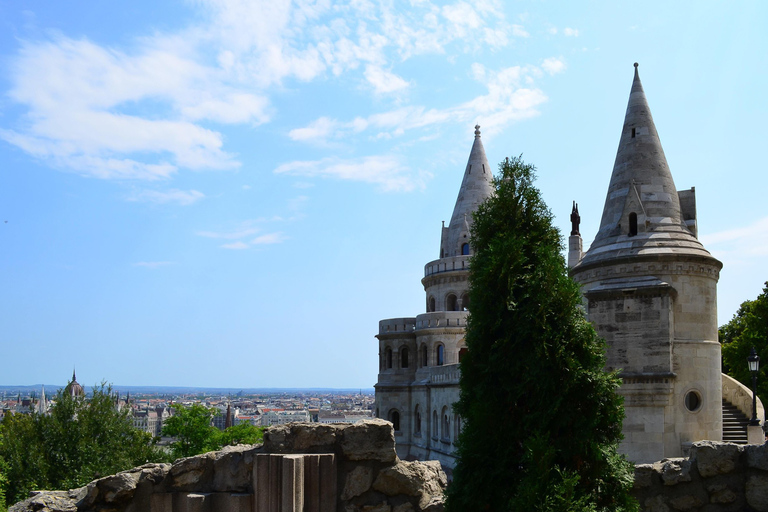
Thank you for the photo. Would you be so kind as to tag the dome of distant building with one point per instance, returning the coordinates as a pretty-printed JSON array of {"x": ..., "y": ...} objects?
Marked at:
[{"x": 74, "y": 388}]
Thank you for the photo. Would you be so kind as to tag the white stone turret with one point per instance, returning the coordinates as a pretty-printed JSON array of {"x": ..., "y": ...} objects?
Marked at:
[{"x": 651, "y": 291}]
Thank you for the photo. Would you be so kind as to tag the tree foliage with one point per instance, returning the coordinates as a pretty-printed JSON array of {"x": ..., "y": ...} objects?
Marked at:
[
  {"x": 542, "y": 419},
  {"x": 748, "y": 328},
  {"x": 79, "y": 440},
  {"x": 194, "y": 434}
]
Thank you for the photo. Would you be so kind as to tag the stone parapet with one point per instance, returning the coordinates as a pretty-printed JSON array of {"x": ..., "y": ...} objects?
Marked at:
[
  {"x": 301, "y": 467},
  {"x": 716, "y": 477},
  {"x": 453, "y": 264},
  {"x": 441, "y": 319}
]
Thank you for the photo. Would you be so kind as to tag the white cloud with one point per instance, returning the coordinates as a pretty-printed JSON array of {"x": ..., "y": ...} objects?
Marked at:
[
  {"x": 153, "y": 264},
  {"x": 270, "y": 238},
  {"x": 182, "y": 197},
  {"x": 230, "y": 235},
  {"x": 553, "y": 65},
  {"x": 552, "y": 30},
  {"x": 510, "y": 97},
  {"x": 236, "y": 245},
  {"x": 570, "y": 32},
  {"x": 320, "y": 128},
  {"x": 386, "y": 171},
  {"x": 519, "y": 31},
  {"x": 739, "y": 244},
  {"x": 383, "y": 81}
]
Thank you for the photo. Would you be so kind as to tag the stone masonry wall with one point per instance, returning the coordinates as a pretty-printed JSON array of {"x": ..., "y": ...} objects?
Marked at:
[
  {"x": 716, "y": 477},
  {"x": 301, "y": 467}
]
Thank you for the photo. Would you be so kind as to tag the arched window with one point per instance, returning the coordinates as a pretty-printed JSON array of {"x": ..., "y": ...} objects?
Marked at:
[
  {"x": 389, "y": 358},
  {"x": 632, "y": 224},
  {"x": 424, "y": 355},
  {"x": 417, "y": 421},
  {"x": 442, "y": 253},
  {"x": 456, "y": 426},
  {"x": 465, "y": 302},
  {"x": 434, "y": 424},
  {"x": 431, "y": 304},
  {"x": 404, "y": 357},
  {"x": 465, "y": 249},
  {"x": 377, "y": 413},
  {"x": 394, "y": 417},
  {"x": 451, "y": 304},
  {"x": 462, "y": 352},
  {"x": 445, "y": 430},
  {"x": 440, "y": 355}
]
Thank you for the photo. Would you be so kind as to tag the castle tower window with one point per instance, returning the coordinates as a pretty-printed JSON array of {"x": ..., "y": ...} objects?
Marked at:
[
  {"x": 465, "y": 249},
  {"x": 632, "y": 224},
  {"x": 394, "y": 417},
  {"x": 440, "y": 355},
  {"x": 692, "y": 401},
  {"x": 423, "y": 355},
  {"x": 417, "y": 421},
  {"x": 633, "y": 133},
  {"x": 389, "y": 358},
  {"x": 434, "y": 424},
  {"x": 404, "y": 357},
  {"x": 431, "y": 305},
  {"x": 465, "y": 302},
  {"x": 446, "y": 426},
  {"x": 456, "y": 426},
  {"x": 462, "y": 353},
  {"x": 451, "y": 304}
]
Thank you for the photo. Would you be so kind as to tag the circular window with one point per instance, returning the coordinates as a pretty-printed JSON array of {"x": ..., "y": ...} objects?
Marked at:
[{"x": 692, "y": 401}]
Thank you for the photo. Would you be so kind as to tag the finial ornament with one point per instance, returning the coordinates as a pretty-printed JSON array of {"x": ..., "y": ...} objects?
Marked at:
[
  {"x": 636, "y": 64},
  {"x": 477, "y": 130}
]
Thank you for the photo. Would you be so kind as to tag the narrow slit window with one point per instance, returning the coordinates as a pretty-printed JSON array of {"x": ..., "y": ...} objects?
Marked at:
[
  {"x": 633, "y": 133},
  {"x": 632, "y": 224}
]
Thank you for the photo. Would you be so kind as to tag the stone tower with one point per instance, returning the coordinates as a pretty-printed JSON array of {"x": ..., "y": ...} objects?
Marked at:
[
  {"x": 650, "y": 289},
  {"x": 418, "y": 356}
]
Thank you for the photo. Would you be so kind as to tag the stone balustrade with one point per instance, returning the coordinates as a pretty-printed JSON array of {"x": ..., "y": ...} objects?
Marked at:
[
  {"x": 741, "y": 396},
  {"x": 397, "y": 325},
  {"x": 446, "y": 265},
  {"x": 441, "y": 319}
]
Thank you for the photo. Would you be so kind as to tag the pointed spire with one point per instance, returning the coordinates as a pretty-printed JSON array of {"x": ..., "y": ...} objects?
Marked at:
[
  {"x": 476, "y": 187},
  {"x": 642, "y": 199}
]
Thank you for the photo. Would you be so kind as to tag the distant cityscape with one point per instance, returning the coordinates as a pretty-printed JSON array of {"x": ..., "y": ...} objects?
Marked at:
[{"x": 151, "y": 406}]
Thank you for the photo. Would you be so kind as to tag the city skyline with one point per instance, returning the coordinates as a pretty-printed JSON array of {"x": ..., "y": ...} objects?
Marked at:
[{"x": 213, "y": 194}]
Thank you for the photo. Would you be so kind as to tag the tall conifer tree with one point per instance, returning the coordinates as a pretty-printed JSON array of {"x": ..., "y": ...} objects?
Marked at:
[{"x": 542, "y": 419}]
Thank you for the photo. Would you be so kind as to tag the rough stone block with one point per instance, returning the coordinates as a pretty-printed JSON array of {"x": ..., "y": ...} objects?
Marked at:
[
  {"x": 674, "y": 471},
  {"x": 161, "y": 502},
  {"x": 118, "y": 488},
  {"x": 644, "y": 476},
  {"x": 301, "y": 438},
  {"x": 721, "y": 494},
  {"x": 713, "y": 458},
  {"x": 357, "y": 482},
  {"x": 232, "y": 468},
  {"x": 757, "y": 492},
  {"x": 757, "y": 456},
  {"x": 191, "y": 502},
  {"x": 192, "y": 473},
  {"x": 421, "y": 479},
  {"x": 685, "y": 503},
  {"x": 231, "y": 502},
  {"x": 369, "y": 440}
]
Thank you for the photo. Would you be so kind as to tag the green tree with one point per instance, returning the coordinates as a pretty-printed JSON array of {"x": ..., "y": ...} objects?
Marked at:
[
  {"x": 244, "y": 433},
  {"x": 542, "y": 419},
  {"x": 80, "y": 440},
  {"x": 194, "y": 434},
  {"x": 748, "y": 328},
  {"x": 192, "y": 429}
]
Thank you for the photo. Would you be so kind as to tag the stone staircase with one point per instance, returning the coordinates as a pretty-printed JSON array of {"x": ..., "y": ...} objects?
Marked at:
[{"x": 734, "y": 424}]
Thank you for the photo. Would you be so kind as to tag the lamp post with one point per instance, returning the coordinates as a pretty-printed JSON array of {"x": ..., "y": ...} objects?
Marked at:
[{"x": 754, "y": 364}]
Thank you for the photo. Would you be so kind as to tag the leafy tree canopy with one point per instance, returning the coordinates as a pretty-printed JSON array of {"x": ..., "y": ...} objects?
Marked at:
[
  {"x": 542, "y": 419},
  {"x": 194, "y": 434},
  {"x": 748, "y": 328},
  {"x": 79, "y": 440}
]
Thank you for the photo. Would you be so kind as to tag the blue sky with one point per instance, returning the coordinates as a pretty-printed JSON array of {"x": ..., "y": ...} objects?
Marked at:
[{"x": 233, "y": 194}]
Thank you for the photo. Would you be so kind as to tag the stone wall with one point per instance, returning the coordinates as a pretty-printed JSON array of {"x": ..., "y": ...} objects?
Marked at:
[
  {"x": 301, "y": 467},
  {"x": 716, "y": 477}
]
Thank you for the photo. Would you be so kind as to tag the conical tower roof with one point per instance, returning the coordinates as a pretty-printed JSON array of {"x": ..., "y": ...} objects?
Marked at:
[
  {"x": 642, "y": 212},
  {"x": 476, "y": 187}
]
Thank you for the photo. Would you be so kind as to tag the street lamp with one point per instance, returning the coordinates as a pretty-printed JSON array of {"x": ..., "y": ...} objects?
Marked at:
[{"x": 754, "y": 364}]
